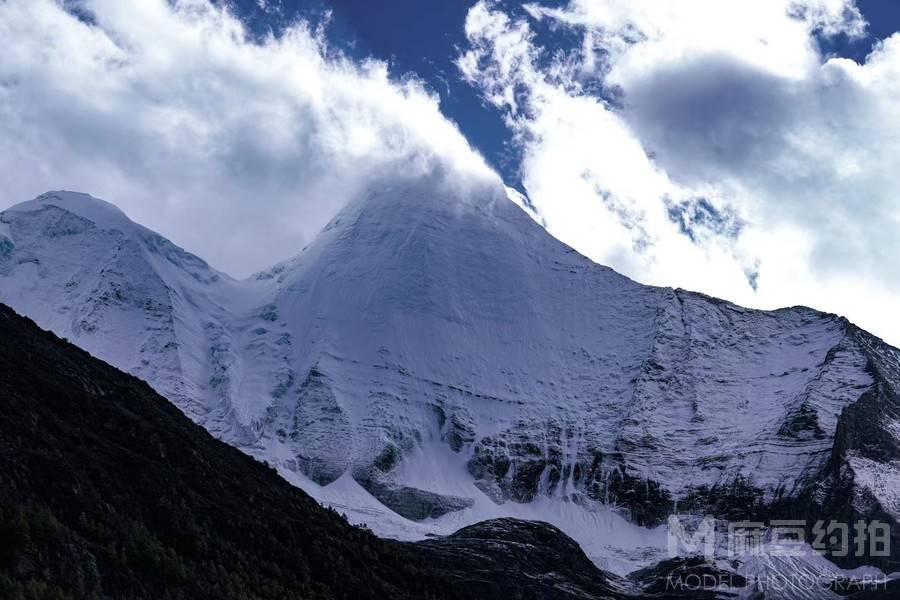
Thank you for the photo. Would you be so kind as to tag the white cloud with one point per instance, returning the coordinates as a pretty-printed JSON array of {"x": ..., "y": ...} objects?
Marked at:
[
  {"x": 236, "y": 149},
  {"x": 720, "y": 120}
]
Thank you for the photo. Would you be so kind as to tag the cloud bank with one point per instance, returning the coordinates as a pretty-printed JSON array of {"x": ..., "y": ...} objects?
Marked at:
[
  {"x": 237, "y": 149},
  {"x": 708, "y": 146}
]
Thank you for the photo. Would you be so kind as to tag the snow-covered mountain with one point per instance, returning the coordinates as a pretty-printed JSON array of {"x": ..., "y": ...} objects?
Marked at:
[{"x": 431, "y": 360}]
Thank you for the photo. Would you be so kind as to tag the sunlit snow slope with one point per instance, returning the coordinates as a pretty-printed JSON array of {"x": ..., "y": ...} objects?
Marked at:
[{"x": 431, "y": 360}]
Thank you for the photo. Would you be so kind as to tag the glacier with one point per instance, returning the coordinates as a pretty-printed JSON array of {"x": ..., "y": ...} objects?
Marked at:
[{"x": 433, "y": 359}]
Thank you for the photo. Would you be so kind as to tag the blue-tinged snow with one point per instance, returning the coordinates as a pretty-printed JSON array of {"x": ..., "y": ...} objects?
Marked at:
[{"x": 422, "y": 331}]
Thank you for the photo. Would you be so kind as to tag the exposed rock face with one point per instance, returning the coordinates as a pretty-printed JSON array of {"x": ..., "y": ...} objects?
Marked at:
[
  {"x": 457, "y": 361},
  {"x": 319, "y": 430},
  {"x": 525, "y": 462},
  {"x": 862, "y": 478}
]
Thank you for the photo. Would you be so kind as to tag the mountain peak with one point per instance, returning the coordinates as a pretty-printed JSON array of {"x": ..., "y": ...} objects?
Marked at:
[{"x": 101, "y": 213}]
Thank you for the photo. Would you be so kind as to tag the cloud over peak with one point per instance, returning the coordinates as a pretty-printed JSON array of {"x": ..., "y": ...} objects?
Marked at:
[{"x": 174, "y": 111}]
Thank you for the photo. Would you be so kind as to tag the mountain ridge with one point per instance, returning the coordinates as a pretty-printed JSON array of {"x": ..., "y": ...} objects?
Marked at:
[{"x": 422, "y": 334}]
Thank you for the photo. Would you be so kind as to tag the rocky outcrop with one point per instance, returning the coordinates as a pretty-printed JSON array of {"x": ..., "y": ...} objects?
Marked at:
[
  {"x": 319, "y": 430},
  {"x": 411, "y": 502},
  {"x": 509, "y": 558}
]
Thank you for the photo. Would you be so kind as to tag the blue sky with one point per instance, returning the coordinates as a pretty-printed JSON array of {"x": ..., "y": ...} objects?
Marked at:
[{"x": 745, "y": 149}]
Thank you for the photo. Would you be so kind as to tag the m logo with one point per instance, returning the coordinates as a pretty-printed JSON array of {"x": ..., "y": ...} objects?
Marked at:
[{"x": 689, "y": 536}]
